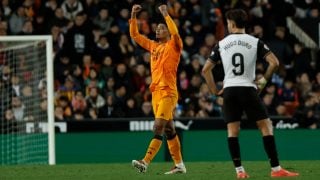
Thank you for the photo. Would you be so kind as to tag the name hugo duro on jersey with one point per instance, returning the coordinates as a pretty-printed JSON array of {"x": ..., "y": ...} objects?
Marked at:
[{"x": 239, "y": 43}]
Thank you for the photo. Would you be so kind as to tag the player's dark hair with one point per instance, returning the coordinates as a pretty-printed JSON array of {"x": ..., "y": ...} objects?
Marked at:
[{"x": 239, "y": 16}]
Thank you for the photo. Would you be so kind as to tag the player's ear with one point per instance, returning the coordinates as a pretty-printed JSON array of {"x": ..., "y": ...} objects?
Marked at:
[{"x": 233, "y": 24}]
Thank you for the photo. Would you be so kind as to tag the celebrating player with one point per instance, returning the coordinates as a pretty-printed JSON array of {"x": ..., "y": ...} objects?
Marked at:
[
  {"x": 165, "y": 57},
  {"x": 239, "y": 53}
]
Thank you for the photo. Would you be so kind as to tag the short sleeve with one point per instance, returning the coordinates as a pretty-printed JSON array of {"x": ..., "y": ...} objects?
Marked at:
[
  {"x": 215, "y": 54},
  {"x": 263, "y": 50}
]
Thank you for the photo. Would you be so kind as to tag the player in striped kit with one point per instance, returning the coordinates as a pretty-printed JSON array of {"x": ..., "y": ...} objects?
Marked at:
[{"x": 239, "y": 53}]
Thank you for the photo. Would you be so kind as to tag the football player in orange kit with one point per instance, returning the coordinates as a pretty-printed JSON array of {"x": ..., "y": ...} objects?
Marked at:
[{"x": 165, "y": 57}]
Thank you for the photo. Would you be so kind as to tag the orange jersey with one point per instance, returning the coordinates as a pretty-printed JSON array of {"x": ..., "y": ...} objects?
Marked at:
[{"x": 165, "y": 57}]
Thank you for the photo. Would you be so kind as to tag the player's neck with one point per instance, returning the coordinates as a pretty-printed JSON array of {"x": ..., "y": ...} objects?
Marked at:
[
  {"x": 239, "y": 31},
  {"x": 163, "y": 40}
]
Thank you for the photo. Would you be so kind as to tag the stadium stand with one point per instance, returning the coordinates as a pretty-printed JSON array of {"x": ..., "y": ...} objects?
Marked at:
[{"x": 101, "y": 73}]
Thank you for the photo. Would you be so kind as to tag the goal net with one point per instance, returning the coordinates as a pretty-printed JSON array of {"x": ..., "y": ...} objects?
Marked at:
[{"x": 26, "y": 100}]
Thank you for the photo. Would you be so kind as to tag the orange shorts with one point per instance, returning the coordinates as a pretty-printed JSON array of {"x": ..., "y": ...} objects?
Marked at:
[{"x": 164, "y": 102}]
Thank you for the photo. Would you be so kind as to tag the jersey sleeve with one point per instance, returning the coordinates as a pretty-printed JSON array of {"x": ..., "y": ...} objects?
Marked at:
[
  {"x": 215, "y": 54},
  {"x": 174, "y": 33},
  {"x": 139, "y": 38},
  {"x": 263, "y": 50}
]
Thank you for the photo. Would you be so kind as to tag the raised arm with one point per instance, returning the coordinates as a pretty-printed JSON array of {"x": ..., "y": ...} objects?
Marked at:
[
  {"x": 134, "y": 31},
  {"x": 171, "y": 25}
]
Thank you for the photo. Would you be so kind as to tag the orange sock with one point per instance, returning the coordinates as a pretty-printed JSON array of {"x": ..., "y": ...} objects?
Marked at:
[
  {"x": 153, "y": 149},
  {"x": 175, "y": 149}
]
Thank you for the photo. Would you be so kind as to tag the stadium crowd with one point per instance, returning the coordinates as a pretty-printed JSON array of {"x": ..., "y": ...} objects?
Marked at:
[{"x": 100, "y": 73}]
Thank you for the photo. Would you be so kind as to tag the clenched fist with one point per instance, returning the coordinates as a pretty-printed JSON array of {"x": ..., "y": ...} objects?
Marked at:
[{"x": 136, "y": 8}]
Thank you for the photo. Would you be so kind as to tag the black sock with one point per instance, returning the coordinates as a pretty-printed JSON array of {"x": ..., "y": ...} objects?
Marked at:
[
  {"x": 234, "y": 149},
  {"x": 271, "y": 150}
]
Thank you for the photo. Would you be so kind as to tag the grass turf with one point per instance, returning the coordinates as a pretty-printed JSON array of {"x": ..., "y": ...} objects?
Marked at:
[{"x": 195, "y": 170}]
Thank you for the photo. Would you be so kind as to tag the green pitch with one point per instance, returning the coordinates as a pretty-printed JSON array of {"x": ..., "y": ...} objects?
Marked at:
[{"x": 196, "y": 170}]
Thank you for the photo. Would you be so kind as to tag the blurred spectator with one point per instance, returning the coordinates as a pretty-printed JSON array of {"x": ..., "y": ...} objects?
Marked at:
[
  {"x": 28, "y": 93},
  {"x": 281, "y": 48},
  {"x": 57, "y": 38},
  {"x": 9, "y": 115},
  {"x": 103, "y": 20},
  {"x": 218, "y": 106},
  {"x": 16, "y": 84},
  {"x": 3, "y": 28},
  {"x": 119, "y": 100},
  {"x": 77, "y": 77},
  {"x": 210, "y": 41},
  {"x": 194, "y": 68},
  {"x": 40, "y": 25},
  {"x": 79, "y": 39},
  {"x": 93, "y": 113},
  {"x": 28, "y": 9},
  {"x": 194, "y": 87},
  {"x": 62, "y": 67},
  {"x": 131, "y": 108},
  {"x": 139, "y": 78},
  {"x": 268, "y": 102},
  {"x": 59, "y": 114},
  {"x": 5, "y": 9},
  {"x": 306, "y": 113},
  {"x": 94, "y": 80},
  {"x": 108, "y": 110},
  {"x": 49, "y": 7},
  {"x": 107, "y": 68},
  {"x": 102, "y": 49},
  {"x": 95, "y": 99},
  {"x": 65, "y": 104},
  {"x": 316, "y": 83},
  {"x": 289, "y": 97},
  {"x": 44, "y": 106},
  {"x": 59, "y": 20},
  {"x": 110, "y": 85},
  {"x": 183, "y": 85},
  {"x": 91, "y": 7},
  {"x": 122, "y": 20},
  {"x": 143, "y": 21},
  {"x": 174, "y": 8},
  {"x": 198, "y": 31},
  {"x": 124, "y": 49},
  {"x": 27, "y": 28},
  {"x": 78, "y": 116},
  {"x": 258, "y": 31},
  {"x": 146, "y": 109},
  {"x": 71, "y": 8},
  {"x": 272, "y": 91},
  {"x": 78, "y": 102},
  {"x": 281, "y": 110},
  {"x": 17, "y": 20},
  {"x": 123, "y": 77},
  {"x": 67, "y": 89},
  {"x": 304, "y": 85},
  {"x": 301, "y": 60},
  {"x": 189, "y": 47},
  {"x": 206, "y": 108},
  {"x": 18, "y": 108},
  {"x": 87, "y": 64}
]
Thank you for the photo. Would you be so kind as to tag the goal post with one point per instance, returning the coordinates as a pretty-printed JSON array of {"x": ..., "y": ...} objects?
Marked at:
[{"x": 27, "y": 100}]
